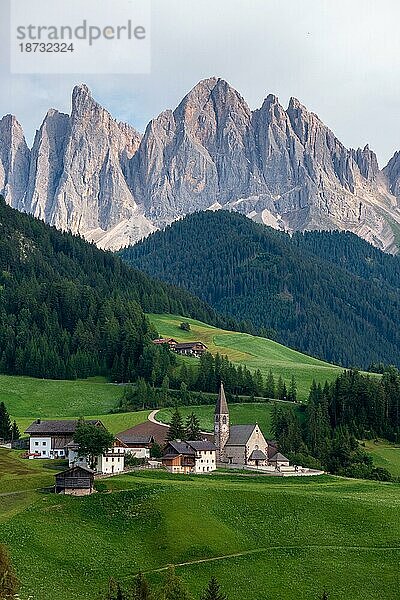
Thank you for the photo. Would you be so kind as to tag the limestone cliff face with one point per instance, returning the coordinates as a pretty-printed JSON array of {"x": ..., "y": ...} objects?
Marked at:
[
  {"x": 92, "y": 175},
  {"x": 14, "y": 161}
]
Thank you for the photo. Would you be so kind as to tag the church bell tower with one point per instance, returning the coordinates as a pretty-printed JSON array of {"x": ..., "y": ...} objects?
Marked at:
[{"x": 221, "y": 424}]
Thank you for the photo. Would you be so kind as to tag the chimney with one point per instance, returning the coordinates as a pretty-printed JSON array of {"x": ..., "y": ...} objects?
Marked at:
[{"x": 38, "y": 421}]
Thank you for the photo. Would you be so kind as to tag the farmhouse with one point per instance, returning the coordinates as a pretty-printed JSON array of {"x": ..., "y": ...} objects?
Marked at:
[
  {"x": 113, "y": 461},
  {"x": 190, "y": 457},
  {"x": 169, "y": 341},
  {"x": 55, "y": 439},
  {"x": 195, "y": 349},
  {"x": 138, "y": 446},
  {"x": 49, "y": 439},
  {"x": 243, "y": 445},
  {"x": 77, "y": 481}
]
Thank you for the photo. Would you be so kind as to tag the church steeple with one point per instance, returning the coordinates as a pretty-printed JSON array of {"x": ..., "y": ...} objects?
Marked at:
[{"x": 221, "y": 423}]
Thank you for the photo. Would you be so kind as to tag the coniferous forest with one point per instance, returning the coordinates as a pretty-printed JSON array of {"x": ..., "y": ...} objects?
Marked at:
[
  {"x": 329, "y": 294},
  {"x": 68, "y": 309}
]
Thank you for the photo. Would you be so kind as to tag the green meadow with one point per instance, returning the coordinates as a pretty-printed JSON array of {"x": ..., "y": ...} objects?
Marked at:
[
  {"x": 262, "y": 537},
  {"x": 385, "y": 455},
  {"x": 252, "y": 351},
  {"x": 239, "y": 414}
]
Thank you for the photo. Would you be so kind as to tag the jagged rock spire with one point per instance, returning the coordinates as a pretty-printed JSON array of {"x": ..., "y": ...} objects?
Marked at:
[{"x": 221, "y": 407}]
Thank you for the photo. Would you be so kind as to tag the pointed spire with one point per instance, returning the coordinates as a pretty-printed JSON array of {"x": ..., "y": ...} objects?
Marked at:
[{"x": 221, "y": 407}]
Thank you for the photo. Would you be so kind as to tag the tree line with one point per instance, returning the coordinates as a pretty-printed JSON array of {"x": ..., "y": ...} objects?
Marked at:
[
  {"x": 69, "y": 310},
  {"x": 353, "y": 407},
  {"x": 163, "y": 382},
  {"x": 328, "y": 294}
]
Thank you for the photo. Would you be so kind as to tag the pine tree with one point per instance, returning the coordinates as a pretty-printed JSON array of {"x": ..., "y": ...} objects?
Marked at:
[
  {"x": 5, "y": 423},
  {"x": 192, "y": 428},
  {"x": 270, "y": 389},
  {"x": 292, "y": 396},
  {"x": 213, "y": 591},
  {"x": 173, "y": 587},
  {"x": 176, "y": 428},
  {"x": 141, "y": 590},
  {"x": 15, "y": 434}
]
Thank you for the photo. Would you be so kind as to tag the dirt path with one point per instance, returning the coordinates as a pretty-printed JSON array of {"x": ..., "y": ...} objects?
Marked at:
[{"x": 267, "y": 552}]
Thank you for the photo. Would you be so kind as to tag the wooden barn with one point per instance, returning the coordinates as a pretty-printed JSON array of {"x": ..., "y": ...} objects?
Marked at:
[{"x": 76, "y": 481}]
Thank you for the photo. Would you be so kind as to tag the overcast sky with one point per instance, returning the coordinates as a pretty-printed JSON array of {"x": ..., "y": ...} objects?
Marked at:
[{"x": 341, "y": 58}]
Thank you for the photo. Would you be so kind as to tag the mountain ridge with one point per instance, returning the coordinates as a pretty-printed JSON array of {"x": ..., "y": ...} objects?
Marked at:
[
  {"x": 328, "y": 294},
  {"x": 95, "y": 176}
]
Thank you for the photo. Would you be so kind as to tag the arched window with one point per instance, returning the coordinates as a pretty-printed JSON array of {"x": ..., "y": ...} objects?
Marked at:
[{"x": 224, "y": 420}]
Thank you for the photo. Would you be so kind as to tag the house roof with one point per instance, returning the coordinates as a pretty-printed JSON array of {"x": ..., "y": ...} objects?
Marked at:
[
  {"x": 221, "y": 408},
  {"x": 201, "y": 445},
  {"x": 278, "y": 456},
  {"x": 181, "y": 447},
  {"x": 188, "y": 345},
  {"x": 257, "y": 455},
  {"x": 239, "y": 434},
  {"x": 77, "y": 467},
  {"x": 57, "y": 426},
  {"x": 146, "y": 429},
  {"x": 133, "y": 438},
  {"x": 190, "y": 447}
]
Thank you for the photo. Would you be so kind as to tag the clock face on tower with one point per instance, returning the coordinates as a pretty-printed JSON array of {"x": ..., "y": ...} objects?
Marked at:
[
  {"x": 224, "y": 428},
  {"x": 216, "y": 427}
]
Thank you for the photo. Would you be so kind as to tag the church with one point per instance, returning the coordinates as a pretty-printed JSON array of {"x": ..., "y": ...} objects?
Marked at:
[{"x": 242, "y": 445}]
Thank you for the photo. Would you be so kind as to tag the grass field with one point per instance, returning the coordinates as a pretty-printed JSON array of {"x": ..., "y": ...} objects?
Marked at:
[
  {"x": 48, "y": 398},
  {"x": 254, "y": 352},
  {"x": 385, "y": 455},
  {"x": 273, "y": 538},
  {"x": 239, "y": 414}
]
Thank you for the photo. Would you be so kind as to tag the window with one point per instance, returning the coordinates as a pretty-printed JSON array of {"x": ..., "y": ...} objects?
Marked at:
[
  {"x": 224, "y": 420},
  {"x": 36, "y": 443},
  {"x": 44, "y": 443}
]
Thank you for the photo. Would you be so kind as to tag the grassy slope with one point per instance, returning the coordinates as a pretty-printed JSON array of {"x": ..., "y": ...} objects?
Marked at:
[
  {"x": 240, "y": 414},
  {"x": 298, "y": 537},
  {"x": 27, "y": 398},
  {"x": 385, "y": 455},
  {"x": 252, "y": 351}
]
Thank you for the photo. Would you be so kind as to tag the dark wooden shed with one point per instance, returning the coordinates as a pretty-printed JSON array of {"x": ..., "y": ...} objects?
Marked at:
[{"x": 76, "y": 481}]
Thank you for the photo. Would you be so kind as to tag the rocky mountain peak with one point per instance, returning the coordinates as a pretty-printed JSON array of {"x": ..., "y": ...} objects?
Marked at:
[{"x": 93, "y": 175}]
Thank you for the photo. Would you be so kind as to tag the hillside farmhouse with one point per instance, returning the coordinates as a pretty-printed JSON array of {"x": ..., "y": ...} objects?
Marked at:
[
  {"x": 55, "y": 439},
  {"x": 243, "y": 445},
  {"x": 190, "y": 457},
  {"x": 195, "y": 349},
  {"x": 49, "y": 439}
]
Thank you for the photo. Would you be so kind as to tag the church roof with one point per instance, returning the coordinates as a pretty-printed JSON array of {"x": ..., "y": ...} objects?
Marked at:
[
  {"x": 221, "y": 407},
  {"x": 239, "y": 435},
  {"x": 257, "y": 455}
]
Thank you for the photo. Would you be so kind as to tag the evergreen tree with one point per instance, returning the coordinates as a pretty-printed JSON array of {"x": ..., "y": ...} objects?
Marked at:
[
  {"x": 192, "y": 427},
  {"x": 270, "y": 390},
  {"x": 173, "y": 588},
  {"x": 15, "y": 434},
  {"x": 141, "y": 590},
  {"x": 213, "y": 591},
  {"x": 5, "y": 423},
  {"x": 292, "y": 395},
  {"x": 176, "y": 428}
]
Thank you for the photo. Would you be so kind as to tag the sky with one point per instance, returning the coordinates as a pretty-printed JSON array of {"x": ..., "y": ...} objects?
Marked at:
[{"x": 340, "y": 58}]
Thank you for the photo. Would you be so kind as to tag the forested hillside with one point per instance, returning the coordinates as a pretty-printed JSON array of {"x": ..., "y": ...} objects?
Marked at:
[
  {"x": 331, "y": 295},
  {"x": 70, "y": 310}
]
